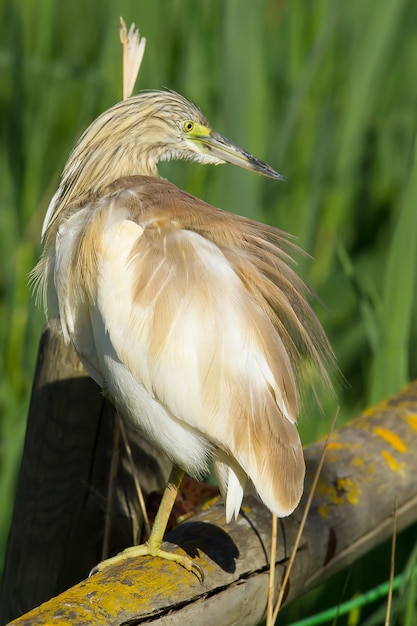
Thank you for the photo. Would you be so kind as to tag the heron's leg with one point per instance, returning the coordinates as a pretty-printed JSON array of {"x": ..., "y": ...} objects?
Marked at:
[
  {"x": 164, "y": 510},
  {"x": 153, "y": 546}
]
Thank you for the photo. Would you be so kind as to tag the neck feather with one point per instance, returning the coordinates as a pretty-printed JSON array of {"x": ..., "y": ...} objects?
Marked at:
[{"x": 114, "y": 146}]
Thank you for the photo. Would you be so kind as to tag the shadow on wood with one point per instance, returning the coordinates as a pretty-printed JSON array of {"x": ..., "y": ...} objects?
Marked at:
[{"x": 58, "y": 519}]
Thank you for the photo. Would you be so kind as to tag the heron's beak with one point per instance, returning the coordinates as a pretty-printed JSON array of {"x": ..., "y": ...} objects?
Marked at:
[{"x": 221, "y": 148}]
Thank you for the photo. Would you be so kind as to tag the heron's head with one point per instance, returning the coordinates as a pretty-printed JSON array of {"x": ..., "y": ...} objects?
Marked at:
[
  {"x": 176, "y": 129},
  {"x": 131, "y": 138},
  {"x": 156, "y": 126}
]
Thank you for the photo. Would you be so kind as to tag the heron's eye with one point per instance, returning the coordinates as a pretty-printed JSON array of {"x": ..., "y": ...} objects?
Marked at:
[{"x": 188, "y": 126}]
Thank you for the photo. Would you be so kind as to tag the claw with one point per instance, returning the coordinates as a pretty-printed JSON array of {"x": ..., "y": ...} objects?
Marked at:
[{"x": 146, "y": 550}]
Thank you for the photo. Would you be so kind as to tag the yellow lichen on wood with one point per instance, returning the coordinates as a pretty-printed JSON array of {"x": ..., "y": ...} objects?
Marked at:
[
  {"x": 371, "y": 469},
  {"x": 376, "y": 410},
  {"x": 335, "y": 445},
  {"x": 412, "y": 421},
  {"x": 392, "y": 463},
  {"x": 342, "y": 491},
  {"x": 394, "y": 440},
  {"x": 113, "y": 594},
  {"x": 335, "y": 450},
  {"x": 208, "y": 504},
  {"x": 329, "y": 493},
  {"x": 324, "y": 510},
  {"x": 367, "y": 465},
  {"x": 350, "y": 488}
]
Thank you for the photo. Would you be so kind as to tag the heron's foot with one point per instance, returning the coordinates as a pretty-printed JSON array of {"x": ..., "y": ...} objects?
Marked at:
[{"x": 146, "y": 550}]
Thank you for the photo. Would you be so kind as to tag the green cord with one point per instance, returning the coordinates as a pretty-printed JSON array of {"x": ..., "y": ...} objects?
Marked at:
[{"x": 366, "y": 598}]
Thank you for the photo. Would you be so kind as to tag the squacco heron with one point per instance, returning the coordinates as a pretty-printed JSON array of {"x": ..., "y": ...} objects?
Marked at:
[{"x": 191, "y": 319}]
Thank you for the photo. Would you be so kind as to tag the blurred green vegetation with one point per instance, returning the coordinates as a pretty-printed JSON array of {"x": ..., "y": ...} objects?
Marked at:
[{"x": 325, "y": 91}]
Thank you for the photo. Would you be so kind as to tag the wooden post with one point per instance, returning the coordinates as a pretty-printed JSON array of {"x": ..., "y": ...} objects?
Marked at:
[{"x": 57, "y": 527}]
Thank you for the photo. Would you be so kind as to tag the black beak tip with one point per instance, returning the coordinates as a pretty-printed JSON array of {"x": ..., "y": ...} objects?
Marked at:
[
  {"x": 270, "y": 173},
  {"x": 264, "y": 168}
]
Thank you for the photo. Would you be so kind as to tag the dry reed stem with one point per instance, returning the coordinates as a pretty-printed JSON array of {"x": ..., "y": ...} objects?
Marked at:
[
  {"x": 111, "y": 484},
  {"x": 303, "y": 521},
  {"x": 133, "y": 48},
  {"x": 271, "y": 581},
  {"x": 392, "y": 566},
  {"x": 138, "y": 488}
]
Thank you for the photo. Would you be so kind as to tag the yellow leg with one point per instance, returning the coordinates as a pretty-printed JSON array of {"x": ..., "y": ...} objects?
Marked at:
[{"x": 153, "y": 546}]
